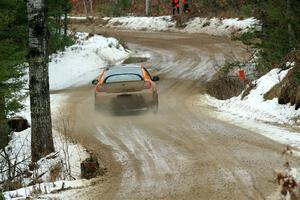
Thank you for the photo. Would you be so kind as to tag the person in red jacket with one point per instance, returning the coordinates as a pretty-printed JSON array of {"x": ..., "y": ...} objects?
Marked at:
[
  {"x": 176, "y": 6},
  {"x": 173, "y": 6}
]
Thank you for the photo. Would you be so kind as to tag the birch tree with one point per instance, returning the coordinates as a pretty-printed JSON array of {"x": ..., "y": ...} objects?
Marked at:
[
  {"x": 85, "y": 9},
  {"x": 41, "y": 124},
  {"x": 148, "y": 2},
  {"x": 13, "y": 27}
]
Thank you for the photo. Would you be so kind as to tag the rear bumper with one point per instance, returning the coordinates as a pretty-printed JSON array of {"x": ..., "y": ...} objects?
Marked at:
[{"x": 125, "y": 101}]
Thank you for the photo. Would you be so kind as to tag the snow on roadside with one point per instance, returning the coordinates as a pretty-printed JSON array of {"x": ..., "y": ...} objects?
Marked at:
[
  {"x": 213, "y": 26},
  {"x": 81, "y": 17},
  {"x": 265, "y": 117},
  {"x": 221, "y": 27},
  {"x": 77, "y": 65},
  {"x": 19, "y": 151},
  {"x": 44, "y": 188},
  {"x": 83, "y": 61},
  {"x": 253, "y": 106},
  {"x": 163, "y": 23}
]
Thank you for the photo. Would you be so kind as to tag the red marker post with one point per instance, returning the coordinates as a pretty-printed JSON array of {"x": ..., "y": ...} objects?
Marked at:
[{"x": 242, "y": 74}]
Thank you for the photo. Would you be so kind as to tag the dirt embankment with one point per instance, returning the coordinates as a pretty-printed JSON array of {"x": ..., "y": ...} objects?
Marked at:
[
  {"x": 288, "y": 90},
  {"x": 224, "y": 88},
  {"x": 226, "y": 83}
]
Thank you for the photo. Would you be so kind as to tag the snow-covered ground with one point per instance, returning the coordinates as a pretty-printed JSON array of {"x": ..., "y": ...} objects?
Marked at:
[
  {"x": 267, "y": 117},
  {"x": 78, "y": 65},
  {"x": 66, "y": 159},
  {"x": 163, "y": 23},
  {"x": 39, "y": 190},
  {"x": 221, "y": 27},
  {"x": 211, "y": 26},
  {"x": 84, "y": 60}
]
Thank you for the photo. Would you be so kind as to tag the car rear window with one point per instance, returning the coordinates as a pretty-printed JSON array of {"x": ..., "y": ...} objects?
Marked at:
[
  {"x": 122, "y": 74},
  {"x": 122, "y": 78}
]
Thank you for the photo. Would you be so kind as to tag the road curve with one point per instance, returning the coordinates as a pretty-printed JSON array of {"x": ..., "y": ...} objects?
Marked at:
[{"x": 181, "y": 152}]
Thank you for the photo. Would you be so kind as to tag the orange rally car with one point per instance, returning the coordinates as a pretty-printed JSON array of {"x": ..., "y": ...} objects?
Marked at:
[{"x": 126, "y": 87}]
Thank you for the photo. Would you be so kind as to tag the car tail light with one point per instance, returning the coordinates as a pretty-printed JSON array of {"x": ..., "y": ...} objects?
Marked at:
[
  {"x": 147, "y": 85},
  {"x": 99, "y": 88}
]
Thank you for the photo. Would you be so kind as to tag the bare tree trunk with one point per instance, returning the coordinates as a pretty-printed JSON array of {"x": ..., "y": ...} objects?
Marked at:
[
  {"x": 92, "y": 9},
  {"x": 3, "y": 123},
  {"x": 65, "y": 19},
  {"x": 59, "y": 25},
  {"x": 41, "y": 124},
  {"x": 85, "y": 9},
  {"x": 66, "y": 23},
  {"x": 291, "y": 32},
  {"x": 148, "y": 2}
]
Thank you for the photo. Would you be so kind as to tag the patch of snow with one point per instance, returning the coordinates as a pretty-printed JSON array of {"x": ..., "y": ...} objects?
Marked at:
[
  {"x": 213, "y": 26},
  {"x": 290, "y": 64},
  {"x": 254, "y": 106},
  {"x": 220, "y": 27},
  {"x": 80, "y": 17},
  {"x": 19, "y": 151},
  {"x": 162, "y": 23},
  {"x": 44, "y": 188},
  {"x": 80, "y": 63}
]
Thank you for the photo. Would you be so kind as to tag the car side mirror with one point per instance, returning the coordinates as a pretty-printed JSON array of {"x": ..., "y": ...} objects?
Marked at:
[
  {"x": 155, "y": 78},
  {"x": 95, "y": 82}
]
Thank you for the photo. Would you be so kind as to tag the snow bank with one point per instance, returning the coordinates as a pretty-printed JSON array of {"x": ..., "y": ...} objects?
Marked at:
[
  {"x": 19, "y": 151},
  {"x": 44, "y": 188},
  {"x": 213, "y": 26},
  {"x": 220, "y": 27},
  {"x": 80, "y": 17},
  {"x": 254, "y": 106},
  {"x": 163, "y": 23},
  {"x": 83, "y": 61}
]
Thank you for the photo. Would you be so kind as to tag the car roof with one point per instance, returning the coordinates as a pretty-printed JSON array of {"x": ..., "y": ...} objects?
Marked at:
[{"x": 123, "y": 69}]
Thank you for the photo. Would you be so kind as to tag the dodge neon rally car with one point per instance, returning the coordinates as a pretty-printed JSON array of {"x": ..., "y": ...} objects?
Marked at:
[{"x": 126, "y": 87}]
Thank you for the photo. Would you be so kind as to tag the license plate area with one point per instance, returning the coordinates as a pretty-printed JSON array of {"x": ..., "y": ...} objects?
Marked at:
[
  {"x": 128, "y": 101},
  {"x": 122, "y": 96}
]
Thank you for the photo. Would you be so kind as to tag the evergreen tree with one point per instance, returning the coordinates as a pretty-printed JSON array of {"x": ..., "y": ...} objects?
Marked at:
[
  {"x": 58, "y": 11},
  {"x": 13, "y": 41},
  {"x": 279, "y": 22}
]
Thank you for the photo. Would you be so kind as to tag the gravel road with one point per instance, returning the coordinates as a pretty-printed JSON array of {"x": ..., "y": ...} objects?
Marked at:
[{"x": 181, "y": 152}]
